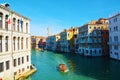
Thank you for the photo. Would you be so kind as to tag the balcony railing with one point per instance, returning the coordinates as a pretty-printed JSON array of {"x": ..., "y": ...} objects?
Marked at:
[
  {"x": 90, "y": 41},
  {"x": 114, "y": 43}
]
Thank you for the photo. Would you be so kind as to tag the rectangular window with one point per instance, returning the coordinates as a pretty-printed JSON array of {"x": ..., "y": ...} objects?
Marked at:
[
  {"x": 15, "y": 62},
  {"x": 14, "y": 43},
  {"x": 14, "y": 20},
  {"x": 116, "y": 47},
  {"x": 98, "y": 28},
  {"x": 1, "y": 67},
  {"x": 22, "y": 43},
  {"x": 109, "y": 22},
  {"x": 68, "y": 34},
  {"x": 1, "y": 16},
  {"x": 110, "y": 47},
  {"x": 22, "y": 60},
  {"x": 7, "y": 65},
  {"x": 15, "y": 73},
  {"x": 90, "y": 27},
  {"x": 27, "y": 43},
  {"x": 27, "y": 58},
  {"x": 116, "y": 38},
  {"x": 18, "y": 43},
  {"x": 99, "y": 32},
  {"x": 109, "y": 29},
  {"x": 6, "y": 22},
  {"x": 18, "y": 24},
  {"x": 26, "y": 27},
  {"x": 110, "y": 39},
  {"x": 21, "y": 25},
  {"x": 100, "y": 51},
  {"x": 18, "y": 61},
  {"x": 95, "y": 28},
  {"x": 114, "y": 29},
  {"x": 115, "y": 20},
  {"x": 6, "y": 43}
]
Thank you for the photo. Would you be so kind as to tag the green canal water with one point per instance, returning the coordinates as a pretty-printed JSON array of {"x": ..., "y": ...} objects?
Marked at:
[{"x": 80, "y": 67}]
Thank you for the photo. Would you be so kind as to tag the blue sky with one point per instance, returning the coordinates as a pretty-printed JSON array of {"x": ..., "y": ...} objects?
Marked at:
[{"x": 62, "y": 14}]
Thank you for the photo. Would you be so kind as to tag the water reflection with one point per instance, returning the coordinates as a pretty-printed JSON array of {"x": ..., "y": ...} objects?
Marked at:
[
  {"x": 80, "y": 68},
  {"x": 94, "y": 67}
]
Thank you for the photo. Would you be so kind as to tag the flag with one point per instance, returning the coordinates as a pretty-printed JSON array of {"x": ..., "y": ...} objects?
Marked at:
[{"x": 9, "y": 18}]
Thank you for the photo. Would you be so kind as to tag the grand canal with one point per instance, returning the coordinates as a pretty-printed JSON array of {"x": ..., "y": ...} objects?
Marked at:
[{"x": 80, "y": 68}]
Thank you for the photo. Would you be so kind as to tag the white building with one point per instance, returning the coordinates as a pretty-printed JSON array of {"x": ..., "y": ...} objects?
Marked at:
[
  {"x": 64, "y": 42},
  {"x": 52, "y": 42},
  {"x": 114, "y": 36},
  {"x": 56, "y": 38},
  {"x": 15, "y": 55}
]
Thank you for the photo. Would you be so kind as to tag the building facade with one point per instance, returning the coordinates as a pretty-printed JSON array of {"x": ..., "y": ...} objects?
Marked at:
[
  {"x": 15, "y": 55},
  {"x": 52, "y": 42},
  {"x": 58, "y": 46},
  {"x": 48, "y": 43},
  {"x": 114, "y": 36},
  {"x": 38, "y": 42},
  {"x": 67, "y": 39},
  {"x": 93, "y": 38}
]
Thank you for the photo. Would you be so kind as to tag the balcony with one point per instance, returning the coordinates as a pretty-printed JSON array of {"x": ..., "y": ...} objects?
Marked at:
[
  {"x": 80, "y": 36},
  {"x": 95, "y": 41},
  {"x": 99, "y": 40},
  {"x": 114, "y": 43},
  {"x": 99, "y": 34},
  {"x": 83, "y": 41},
  {"x": 90, "y": 41},
  {"x": 95, "y": 34}
]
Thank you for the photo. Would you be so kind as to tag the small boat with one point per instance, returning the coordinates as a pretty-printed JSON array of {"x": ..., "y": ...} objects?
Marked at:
[{"x": 63, "y": 68}]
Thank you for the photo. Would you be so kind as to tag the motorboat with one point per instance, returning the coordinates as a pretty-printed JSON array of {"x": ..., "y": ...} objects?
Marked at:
[{"x": 63, "y": 68}]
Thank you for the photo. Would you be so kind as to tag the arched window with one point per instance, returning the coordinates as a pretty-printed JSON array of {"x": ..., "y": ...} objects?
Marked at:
[
  {"x": 95, "y": 51},
  {"x": 18, "y": 25},
  {"x": 1, "y": 17},
  {"x": 0, "y": 43},
  {"x": 18, "y": 43},
  {"x": 26, "y": 43},
  {"x": 14, "y": 43},
  {"x": 21, "y": 26},
  {"x": 6, "y": 43},
  {"x": 22, "y": 43},
  {"x": 26, "y": 27},
  {"x": 14, "y": 24},
  {"x": 6, "y": 22}
]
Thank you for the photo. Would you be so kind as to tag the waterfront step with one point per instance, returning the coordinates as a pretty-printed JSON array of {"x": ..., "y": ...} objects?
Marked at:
[{"x": 26, "y": 74}]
